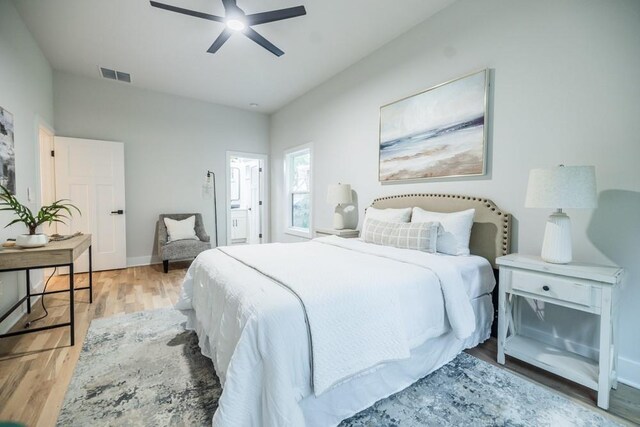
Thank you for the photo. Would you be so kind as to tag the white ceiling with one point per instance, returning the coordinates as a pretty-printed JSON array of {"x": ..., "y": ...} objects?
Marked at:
[{"x": 166, "y": 51}]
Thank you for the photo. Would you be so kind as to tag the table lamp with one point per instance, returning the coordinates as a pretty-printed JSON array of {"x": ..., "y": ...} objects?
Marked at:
[
  {"x": 560, "y": 187},
  {"x": 339, "y": 194}
]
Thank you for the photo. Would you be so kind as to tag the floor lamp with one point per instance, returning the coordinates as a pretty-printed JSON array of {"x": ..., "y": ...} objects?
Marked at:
[{"x": 209, "y": 190}]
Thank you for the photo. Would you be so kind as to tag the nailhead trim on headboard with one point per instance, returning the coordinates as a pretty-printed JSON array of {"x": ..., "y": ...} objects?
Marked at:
[{"x": 506, "y": 220}]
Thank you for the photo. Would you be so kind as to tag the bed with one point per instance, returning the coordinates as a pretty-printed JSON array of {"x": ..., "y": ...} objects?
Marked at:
[{"x": 312, "y": 333}]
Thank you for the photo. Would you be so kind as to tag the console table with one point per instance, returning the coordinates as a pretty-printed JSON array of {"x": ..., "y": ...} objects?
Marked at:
[{"x": 55, "y": 254}]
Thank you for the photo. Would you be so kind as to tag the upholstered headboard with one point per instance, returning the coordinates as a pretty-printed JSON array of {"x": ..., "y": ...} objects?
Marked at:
[{"x": 491, "y": 232}]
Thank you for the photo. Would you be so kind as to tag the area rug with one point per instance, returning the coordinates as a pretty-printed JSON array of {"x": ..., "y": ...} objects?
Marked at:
[{"x": 145, "y": 369}]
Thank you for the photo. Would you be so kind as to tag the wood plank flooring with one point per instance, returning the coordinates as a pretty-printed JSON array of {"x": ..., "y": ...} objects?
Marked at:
[{"x": 35, "y": 369}]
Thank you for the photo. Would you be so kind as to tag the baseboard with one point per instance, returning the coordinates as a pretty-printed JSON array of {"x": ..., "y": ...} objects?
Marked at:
[
  {"x": 15, "y": 317},
  {"x": 632, "y": 369},
  {"x": 628, "y": 370},
  {"x": 137, "y": 261}
]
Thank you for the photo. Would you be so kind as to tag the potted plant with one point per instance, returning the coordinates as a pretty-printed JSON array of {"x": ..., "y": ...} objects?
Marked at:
[{"x": 55, "y": 212}]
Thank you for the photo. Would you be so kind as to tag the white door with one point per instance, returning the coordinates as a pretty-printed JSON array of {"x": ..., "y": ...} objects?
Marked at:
[{"x": 91, "y": 175}]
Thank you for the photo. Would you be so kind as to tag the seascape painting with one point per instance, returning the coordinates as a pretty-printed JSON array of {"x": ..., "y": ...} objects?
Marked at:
[
  {"x": 7, "y": 153},
  {"x": 437, "y": 133}
]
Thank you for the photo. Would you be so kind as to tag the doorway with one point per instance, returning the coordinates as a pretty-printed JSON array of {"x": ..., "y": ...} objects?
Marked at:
[{"x": 246, "y": 204}]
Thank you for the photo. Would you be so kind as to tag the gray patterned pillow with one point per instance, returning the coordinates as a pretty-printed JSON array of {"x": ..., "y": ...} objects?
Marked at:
[{"x": 411, "y": 235}]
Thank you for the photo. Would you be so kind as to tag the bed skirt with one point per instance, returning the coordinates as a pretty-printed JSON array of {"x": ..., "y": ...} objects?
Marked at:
[{"x": 359, "y": 393}]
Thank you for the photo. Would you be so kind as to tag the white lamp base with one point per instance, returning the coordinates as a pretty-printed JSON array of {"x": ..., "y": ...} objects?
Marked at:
[
  {"x": 338, "y": 218},
  {"x": 556, "y": 247}
]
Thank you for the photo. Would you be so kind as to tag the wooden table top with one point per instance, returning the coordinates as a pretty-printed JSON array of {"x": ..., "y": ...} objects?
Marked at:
[{"x": 54, "y": 253}]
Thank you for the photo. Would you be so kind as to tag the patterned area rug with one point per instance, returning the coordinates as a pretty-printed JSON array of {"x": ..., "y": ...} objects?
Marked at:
[
  {"x": 144, "y": 369},
  {"x": 141, "y": 369}
]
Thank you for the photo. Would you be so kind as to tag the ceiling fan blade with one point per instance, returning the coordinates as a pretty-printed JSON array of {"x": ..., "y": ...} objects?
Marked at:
[
  {"x": 253, "y": 35},
  {"x": 187, "y": 11},
  {"x": 227, "y": 3},
  {"x": 217, "y": 44},
  {"x": 275, "y": 15}
]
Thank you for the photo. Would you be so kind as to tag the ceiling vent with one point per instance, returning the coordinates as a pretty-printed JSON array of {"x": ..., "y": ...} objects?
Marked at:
[{"x": 120, "y": 76}]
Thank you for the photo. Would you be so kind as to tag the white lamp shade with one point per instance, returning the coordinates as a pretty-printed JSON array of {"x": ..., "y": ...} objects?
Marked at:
[
  {"x": 338, "y": 194},
  {"x": 562, "y": 187}
]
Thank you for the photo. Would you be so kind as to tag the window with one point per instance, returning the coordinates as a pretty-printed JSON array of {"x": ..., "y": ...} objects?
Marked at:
[{"x": 297, "y": 164}]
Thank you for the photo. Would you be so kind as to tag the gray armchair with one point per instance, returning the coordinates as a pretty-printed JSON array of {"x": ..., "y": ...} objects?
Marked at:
[{"x": 181, "y": 249}]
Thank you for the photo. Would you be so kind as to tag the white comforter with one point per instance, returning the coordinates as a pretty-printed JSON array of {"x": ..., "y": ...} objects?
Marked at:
[{"x": 251, "y": 303}]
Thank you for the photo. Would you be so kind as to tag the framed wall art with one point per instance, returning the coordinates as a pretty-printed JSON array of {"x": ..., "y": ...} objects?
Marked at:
[
  {"x": 7, "y": 152},
  {"x": 438, "y": 133}
]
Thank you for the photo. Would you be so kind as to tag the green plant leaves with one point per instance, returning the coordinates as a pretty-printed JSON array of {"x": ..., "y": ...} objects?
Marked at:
[{"x": 57, "y": 211}]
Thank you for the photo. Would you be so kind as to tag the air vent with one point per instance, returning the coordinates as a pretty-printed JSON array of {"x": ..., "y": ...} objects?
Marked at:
[
  {"x": 123, "y": 77},
  {"x": 108, "y": 73}
]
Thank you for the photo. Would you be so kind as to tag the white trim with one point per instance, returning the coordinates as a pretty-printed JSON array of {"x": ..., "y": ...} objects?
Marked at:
[
  {"x": 298, "y": 232},
  {"x": 264, "y": 159},
  {"x": 137, "y": 261},
  {"x": 294, "y": 231},
  {"x": 632, "y": 369},
  {"x": 39, "y": 122},
  {"x": 15, "y": 317}
]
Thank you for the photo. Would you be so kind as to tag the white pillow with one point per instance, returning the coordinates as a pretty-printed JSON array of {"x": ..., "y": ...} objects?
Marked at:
[
  {"x": 455, "y": 230},
  {"x": 389, "y": 214},
  {"x": 181, "y": 230},
  {"x": 421, "y": 236}
]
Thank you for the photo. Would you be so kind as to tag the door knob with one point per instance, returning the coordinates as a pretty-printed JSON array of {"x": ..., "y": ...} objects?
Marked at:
[{"x": 118, "y": 212}]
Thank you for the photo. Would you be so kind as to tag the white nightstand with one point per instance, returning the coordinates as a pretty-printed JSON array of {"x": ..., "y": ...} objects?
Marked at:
[
  {"x": 347, "y": 233},
  {"x": 585, "y": 287}
]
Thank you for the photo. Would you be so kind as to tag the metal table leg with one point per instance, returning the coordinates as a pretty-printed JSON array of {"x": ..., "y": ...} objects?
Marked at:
[
  {"x": 90, "y": 277},
  {"x": 28, "y": 292},
  {"x": 71, "y": 306}
]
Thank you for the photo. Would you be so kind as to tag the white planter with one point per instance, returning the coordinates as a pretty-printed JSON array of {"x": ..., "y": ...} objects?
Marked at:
[{"x": 32, "y": 240}]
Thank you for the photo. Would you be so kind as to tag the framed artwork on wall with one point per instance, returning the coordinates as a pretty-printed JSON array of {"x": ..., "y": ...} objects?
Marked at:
[
  {"x": 438, "y": 133},
  {"x": 7, "y": 153}
]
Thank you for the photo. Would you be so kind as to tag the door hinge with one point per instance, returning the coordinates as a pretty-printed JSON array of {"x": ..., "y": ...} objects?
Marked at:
[
  {"x": 260, "y": 203},
  {"x": 260, "y": 236},
  {"x": 259, "y": 169},
  {"x": 53, "y": 153}
]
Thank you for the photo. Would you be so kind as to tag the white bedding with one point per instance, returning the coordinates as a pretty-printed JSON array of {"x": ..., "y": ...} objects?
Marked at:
[{"x": 255, "y": 331}]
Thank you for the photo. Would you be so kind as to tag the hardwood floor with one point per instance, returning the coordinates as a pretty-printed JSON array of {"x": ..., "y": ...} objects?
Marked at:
[{"x": 36, "y": 369}]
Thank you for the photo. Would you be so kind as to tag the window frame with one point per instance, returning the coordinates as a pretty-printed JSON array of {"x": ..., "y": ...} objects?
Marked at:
[{"x": 288, "y": 195}]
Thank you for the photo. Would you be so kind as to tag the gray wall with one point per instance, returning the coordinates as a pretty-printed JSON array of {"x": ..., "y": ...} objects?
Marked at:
[
  {"x": 26, "y": 91},
  {"x": 567, "y": 90},
  {"x": 169, "y": 144}
]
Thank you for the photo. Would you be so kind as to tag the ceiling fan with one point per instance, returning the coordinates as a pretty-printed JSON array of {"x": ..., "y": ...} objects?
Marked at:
[{"x": 237, "y": 21}]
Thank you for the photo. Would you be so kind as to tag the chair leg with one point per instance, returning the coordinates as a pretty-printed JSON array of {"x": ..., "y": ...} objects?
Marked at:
[{"x": 165, "y": 265}]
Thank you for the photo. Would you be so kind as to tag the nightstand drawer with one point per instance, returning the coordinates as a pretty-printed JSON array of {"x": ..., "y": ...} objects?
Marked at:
[{"x": 553, "y": 287}]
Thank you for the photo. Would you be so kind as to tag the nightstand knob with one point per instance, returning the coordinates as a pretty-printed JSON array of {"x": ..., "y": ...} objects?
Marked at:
[{"x": 545, "y": 288}]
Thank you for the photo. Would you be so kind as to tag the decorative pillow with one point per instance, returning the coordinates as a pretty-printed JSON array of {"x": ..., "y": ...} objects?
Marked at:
[
  {"x": 389, "y": 214},
  {"x": 409, "y": 235},
  {"x": 181, "y": 230},
  {"x": 455, "y": 230}
]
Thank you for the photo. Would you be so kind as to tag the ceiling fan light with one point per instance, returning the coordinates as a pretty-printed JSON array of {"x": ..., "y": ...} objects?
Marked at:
[{"x": 235, "y": 24}]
